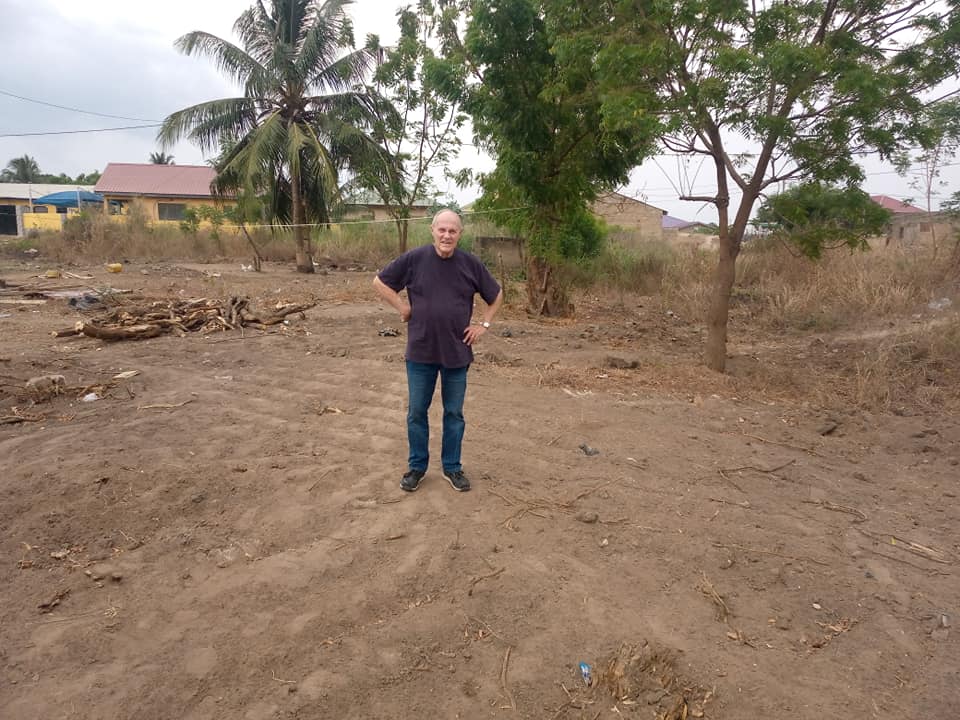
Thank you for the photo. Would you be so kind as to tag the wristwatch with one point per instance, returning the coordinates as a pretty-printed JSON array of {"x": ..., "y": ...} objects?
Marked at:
[{"x": 485, "y": 324}]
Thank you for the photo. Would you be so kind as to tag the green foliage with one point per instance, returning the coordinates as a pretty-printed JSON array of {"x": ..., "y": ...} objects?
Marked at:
[
  {"x": 816, "y": 217},
  {"x": 809, "y": 86},
  {"x": 538, "y": 112},
  {"x": 952, "y": 204},
  {"x": 938, "y": 147},
  {"x": 417, "y": 120},
  {"x": 161, "y": 158},
  {"x": 190, "y": 224},
  {"x": 23, "y": 169},
  {"x": 300, "y": 121}
]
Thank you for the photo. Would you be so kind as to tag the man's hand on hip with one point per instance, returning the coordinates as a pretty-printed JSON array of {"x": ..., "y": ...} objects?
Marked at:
[{"x": 473, "y": 333}]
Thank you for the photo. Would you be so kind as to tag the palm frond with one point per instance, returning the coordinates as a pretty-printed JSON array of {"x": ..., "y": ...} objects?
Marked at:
[
  {"x": 228, "y": 58},
  {"x": 206, "y": 123},
  {"x": 343, "y": 73}
]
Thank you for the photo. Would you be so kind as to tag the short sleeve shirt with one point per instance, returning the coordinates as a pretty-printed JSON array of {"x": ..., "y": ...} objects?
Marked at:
[{"x": 440, "y": 291}]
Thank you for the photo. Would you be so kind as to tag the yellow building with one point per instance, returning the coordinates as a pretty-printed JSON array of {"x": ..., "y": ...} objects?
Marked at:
[
  {"x": 162, "y": 193},
  {"x": 19, "y": 214}
]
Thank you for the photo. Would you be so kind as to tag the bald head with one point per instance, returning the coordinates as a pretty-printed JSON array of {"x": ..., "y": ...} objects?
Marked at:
[
  {"x": 447, "y": 216},
  {"x": 446, "y": 229}
]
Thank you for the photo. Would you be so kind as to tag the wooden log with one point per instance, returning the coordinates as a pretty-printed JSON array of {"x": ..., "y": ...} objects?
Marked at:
[
  {"x": 127, "y": 332},
  {"x": 278, "y": 315},
  {"x": 77, "y": 329}
]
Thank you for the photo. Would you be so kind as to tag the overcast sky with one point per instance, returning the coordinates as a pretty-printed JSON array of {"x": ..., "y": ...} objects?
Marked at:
[{"x": 116, "y": 57}]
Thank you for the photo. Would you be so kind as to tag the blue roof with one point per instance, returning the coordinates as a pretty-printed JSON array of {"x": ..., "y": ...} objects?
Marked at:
[{"x": 68, "y": 198}]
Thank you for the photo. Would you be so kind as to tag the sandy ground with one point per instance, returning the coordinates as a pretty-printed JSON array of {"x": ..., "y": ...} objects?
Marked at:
[{"x": 246, "y": 552}]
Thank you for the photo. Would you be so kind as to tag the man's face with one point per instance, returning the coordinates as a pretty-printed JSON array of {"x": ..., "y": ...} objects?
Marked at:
[{"x": 446, "y": 230}]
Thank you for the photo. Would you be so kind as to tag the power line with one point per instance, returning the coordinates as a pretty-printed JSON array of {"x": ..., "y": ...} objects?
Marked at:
[
  {"x": 76, "y": 132},
  {"x": 73, "y": 109}
]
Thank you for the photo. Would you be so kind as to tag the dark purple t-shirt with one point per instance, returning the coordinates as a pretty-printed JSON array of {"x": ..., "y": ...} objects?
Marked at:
[{"x": 441, "y": 293}]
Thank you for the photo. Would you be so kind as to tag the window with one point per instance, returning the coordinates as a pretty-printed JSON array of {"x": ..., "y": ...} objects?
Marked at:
[
  {"x": 924, "y": 227},
  {"x": 171, "y": 211},
  {"x": 40, "y": 209}
]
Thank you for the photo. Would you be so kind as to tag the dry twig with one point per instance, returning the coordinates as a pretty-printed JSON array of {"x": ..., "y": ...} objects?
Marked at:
[
  {"x": 503, "y": 678},
  {"x": 770, "y": 552}
]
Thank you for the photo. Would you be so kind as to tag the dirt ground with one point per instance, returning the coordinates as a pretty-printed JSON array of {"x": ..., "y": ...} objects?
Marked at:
[{"x": 244, "y": 550}]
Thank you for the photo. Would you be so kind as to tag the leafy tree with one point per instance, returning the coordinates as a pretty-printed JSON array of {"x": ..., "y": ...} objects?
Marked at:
[
  {"x": 937, "y": 149},
  {"x": 818, "y": 217},
  {"x": 806, "y": 85},
  {"x": 538, "y": 112},
  {"x": 90, "y": 178},
  {"x": 161, "y": 158},
  {"x": 301, "y": 118},
  {"x": 22, "y": 169},
  {"x": 417, "y": 124}
]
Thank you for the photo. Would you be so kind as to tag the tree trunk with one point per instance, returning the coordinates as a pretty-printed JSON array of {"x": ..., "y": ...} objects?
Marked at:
[
  {"x": 715, "y": 354},
  {"x": 403, "y": 233},
  {"x": 546, "y": 295},
  {"x": 300, "y": 232}
]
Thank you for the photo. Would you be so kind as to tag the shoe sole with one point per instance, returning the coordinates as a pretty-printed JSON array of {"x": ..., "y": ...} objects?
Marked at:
[{"x": 450, "y": 480}]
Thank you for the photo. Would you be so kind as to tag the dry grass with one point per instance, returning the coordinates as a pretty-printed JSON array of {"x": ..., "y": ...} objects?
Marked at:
[
  {"x": 915, "y": 369},
  {"x": 842, "y": 332}
]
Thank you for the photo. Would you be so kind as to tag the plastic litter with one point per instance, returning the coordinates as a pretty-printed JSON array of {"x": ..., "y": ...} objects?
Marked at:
[
  {"x": 114, "y": 267},
  {"x": 585, "y": 674},
  {"x": 85, "y": 301},
  {"x": 90, "y": 397},
  {"x": 941, "y": 304}
]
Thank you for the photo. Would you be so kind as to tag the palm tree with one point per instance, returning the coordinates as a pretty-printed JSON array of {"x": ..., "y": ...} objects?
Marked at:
[
  {"x": 161, "y": 158},
  {"x": 301, "y": 119},
  {"x": 21, "y": 170}
]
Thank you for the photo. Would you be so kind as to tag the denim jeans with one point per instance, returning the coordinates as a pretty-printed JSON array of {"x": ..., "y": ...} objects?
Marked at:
[{"x": 421, "y": 382}]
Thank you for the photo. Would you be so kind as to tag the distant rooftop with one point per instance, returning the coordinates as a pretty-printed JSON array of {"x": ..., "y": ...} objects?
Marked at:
[
  {"x": 26, "y": 191},
  {"x": 369, "y": 197},
  {"x": 897, "y": 207},
  {"x": 150, "y": 179},
  {"x": 668, "y": 222}
]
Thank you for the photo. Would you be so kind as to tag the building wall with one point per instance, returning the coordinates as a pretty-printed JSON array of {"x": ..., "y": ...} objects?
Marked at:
[
  {"x": 377, "y": 213},
  {"x": 641, "y": 221},
  {"x": 150, "y": 206},
  {"x": 497, "y": 251},
  {"x": 43, "y": 221},
  {"x": 921, "y": 229}
]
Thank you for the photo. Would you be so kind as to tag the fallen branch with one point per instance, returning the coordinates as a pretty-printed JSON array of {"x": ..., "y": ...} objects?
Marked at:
[
  {"x": 781, "y": 444},
  {"x": 180, "y": 317},
  {"x": 827, "y": 505},
  {"x": 934, "y": 554},
  {"x": 770, "y": 552},
  {"x": 164, "y": 406},
  {"x": 481, "y": 578},
  {"x": 503, "y": 678},
  {"x": 771, "y": 471}
]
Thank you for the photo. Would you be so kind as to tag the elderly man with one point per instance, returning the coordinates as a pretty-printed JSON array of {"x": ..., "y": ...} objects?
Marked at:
[{"x": 441, "y": 281}]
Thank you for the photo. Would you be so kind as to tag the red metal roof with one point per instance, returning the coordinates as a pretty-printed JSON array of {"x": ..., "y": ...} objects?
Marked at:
[
  {"x": 895, "y": 206},
  {"x": 151, "y": 179}
]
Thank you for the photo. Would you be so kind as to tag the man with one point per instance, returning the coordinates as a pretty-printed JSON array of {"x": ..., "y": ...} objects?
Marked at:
[{"x": 440, "y": 281}]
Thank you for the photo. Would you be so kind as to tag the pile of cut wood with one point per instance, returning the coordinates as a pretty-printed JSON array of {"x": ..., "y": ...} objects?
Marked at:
[{"x": 137, "y": 322}]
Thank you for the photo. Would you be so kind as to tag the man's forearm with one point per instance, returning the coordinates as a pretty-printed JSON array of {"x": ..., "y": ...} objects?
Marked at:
[
  {"x": 493, "y": 307},
  {"x": 392, "y": 297}
]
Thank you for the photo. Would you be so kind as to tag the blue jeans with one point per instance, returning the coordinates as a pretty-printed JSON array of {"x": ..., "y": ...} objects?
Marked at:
[{"x": 421, "y": 382}]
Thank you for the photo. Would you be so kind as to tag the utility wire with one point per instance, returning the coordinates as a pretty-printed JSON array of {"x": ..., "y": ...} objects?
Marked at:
[
  {"x": 76, "y": 132},
  {"x": 73, "y": 109}
]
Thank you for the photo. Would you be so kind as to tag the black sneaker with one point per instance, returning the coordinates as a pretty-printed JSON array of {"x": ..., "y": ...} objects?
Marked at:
[
  {"x": 411, "y": 480},
  {"x": 458, "y": 481}
]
